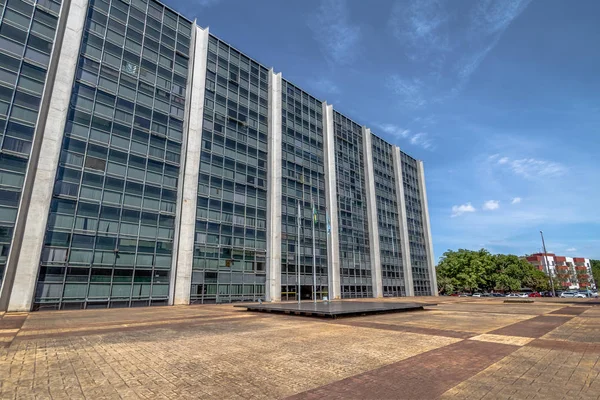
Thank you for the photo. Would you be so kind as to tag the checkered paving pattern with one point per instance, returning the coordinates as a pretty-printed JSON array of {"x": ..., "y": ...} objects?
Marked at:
[{"x": 461, "y": 349}]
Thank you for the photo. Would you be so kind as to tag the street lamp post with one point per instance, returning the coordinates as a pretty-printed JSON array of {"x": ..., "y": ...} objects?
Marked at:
[{"x": 546, "y": 264}]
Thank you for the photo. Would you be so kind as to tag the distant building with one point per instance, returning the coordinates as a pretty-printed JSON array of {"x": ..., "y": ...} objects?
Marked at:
[{"x": 571, "y": 272}]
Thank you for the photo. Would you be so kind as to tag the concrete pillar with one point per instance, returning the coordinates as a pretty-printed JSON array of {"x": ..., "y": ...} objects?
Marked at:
[
  {"x": 182, "y": 265},
  {"x": 273, "y": 289},
  {"x": 333, "y": 240},
  {"x": 406, "y": 263},
  {"x": 375, "y": 253},
  {"x": 427, "y": 229},
  {"x": 44, "y": 158}
]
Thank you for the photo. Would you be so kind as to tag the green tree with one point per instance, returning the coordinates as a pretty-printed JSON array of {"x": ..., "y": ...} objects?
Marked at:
[
  {"x": 595, "y": 270},
  {"x": 466, "y": 269},
  {"x": 446, "y": 285}
]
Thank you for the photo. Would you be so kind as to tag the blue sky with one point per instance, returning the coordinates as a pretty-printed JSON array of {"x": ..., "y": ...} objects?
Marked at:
[{"x": 499, "y": 98}]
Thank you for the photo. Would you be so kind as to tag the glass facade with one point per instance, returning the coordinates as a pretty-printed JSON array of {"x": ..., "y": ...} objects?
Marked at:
[
  {"x": 416, "y": 231},
  {"x": 355, "y": 260},
  {"x": 113, "y": 213},
  {"x": 109, "y": 239},
  {"x": 231, "y": 218},
  {"x": 388, "y": 218},
  {"x": 303, "y": 182},
  {"x": 27, "y": 32}
]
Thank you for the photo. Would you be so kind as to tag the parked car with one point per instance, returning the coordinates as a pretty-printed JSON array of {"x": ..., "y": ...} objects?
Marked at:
[
  {"x": 512, "y": 295},
  {"x": 497, "y": 295},
  {"x": 476, "y": 294},
  {"x": 572, "y": 295},
  {"x": 487, "y": 295},
  {"x": 534, "y": 294}
]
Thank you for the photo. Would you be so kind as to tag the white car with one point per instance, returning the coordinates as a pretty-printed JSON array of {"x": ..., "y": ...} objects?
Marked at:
[
  {"x": 512, "y": 295},
  {"x": 476, "y": 294},
  {"x": 523, "y": 295},
  {"x": 565, "y": 295}
]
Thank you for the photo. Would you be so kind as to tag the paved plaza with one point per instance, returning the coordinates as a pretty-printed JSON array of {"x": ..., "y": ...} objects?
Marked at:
[{"x": 459, "y": 349}]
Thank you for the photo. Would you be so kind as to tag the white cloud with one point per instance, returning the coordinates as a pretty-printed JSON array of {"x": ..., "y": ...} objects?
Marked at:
[
  {"x": 409, "y": 91},
  {"x": 446, "y": 47},
  {"x": 420, "y": 27},
  {"x": 421, "y": 139},
  {"x": 529, "y": 167},
  {"x": 515, "y": 200},
  {"x": 491, "y": 205},
  {"x": 463, "y": 208},
  {"x": 394, "y": 130},
  {"x": 571, "y": 249},
  {"x": 324, "y": 86},
  {"x": 205, "y": 3},
  {"x": 333, "y": 30}
]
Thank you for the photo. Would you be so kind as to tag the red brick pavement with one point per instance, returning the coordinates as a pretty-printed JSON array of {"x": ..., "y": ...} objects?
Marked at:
[
  {"x": 571, "y": 310},
  {"x": 534, "y": 328},
  {"x": 425, "y": 376}
]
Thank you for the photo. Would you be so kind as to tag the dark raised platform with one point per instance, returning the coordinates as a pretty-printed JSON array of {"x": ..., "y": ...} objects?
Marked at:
[{"x": 334, "y": 309}]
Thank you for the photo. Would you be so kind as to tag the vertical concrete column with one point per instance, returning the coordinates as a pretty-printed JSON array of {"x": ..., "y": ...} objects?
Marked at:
[
  {"x": 406, "y": 263},
  {"x": 44, "y": 158},
  {"x": 375, "y": 253},
  {"x": 333, "y": 239},
  {"x": 182, "y": 265},
  {"x": 273, "y": 289},
  {"x": 427, "y": 228}
]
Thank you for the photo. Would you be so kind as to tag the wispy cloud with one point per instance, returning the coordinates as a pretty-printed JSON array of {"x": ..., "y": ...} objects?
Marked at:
[
  {"x": 444, "y": 46},
  {"x": 394, "y": 131},
  {"x": 205, "y": 3},
  {"x": 491, "y": 205},
  {"x": 410, "y": 91},
  {"x": 398, "y": 133},
  {"x": 419, "y": 26},
  {"x": 335, "y": 33},
  {"x": 571, "y": 249},
  {"x": 531, "y": 168},
  {"x": 528, "y": 167},
  {"x": 515, "y": 200},
  {"x": 324, "y": 86},
  {"x": 421, "y": 139},
  {"x": 461, "y": 209}
]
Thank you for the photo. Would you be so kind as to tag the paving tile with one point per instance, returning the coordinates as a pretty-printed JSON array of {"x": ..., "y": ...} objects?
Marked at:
[
  {"x": 425, "y": 376},
  {"x": 514, "y": 340},
  {"x": 216, "y": 351},
  {"x": 534, "y": 328}
]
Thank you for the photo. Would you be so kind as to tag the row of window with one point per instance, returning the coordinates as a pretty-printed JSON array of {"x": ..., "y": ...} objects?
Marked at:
[{"x": 27, "y": 30}]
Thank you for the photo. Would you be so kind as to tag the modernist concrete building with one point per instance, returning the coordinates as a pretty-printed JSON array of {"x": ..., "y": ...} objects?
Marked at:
[{"x": 145, "y": 162}]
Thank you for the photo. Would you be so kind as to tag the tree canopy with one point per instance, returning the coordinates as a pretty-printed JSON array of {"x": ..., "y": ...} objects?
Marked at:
[
  {"x": 469, "y": 271},
  {"x": 595, "y": 270}
]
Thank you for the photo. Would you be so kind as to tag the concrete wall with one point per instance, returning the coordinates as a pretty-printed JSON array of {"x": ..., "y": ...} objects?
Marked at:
[
  {"x": 333, "y": 241},
  {"x": 427, "y": 228},
  {"x": 375, "y": 252},
  {"x": 43, "y": 168},
  {"x": 182, "y": 268},
  {"x": 406, "y": 264},
  {"x": 273, "y": 285}
]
